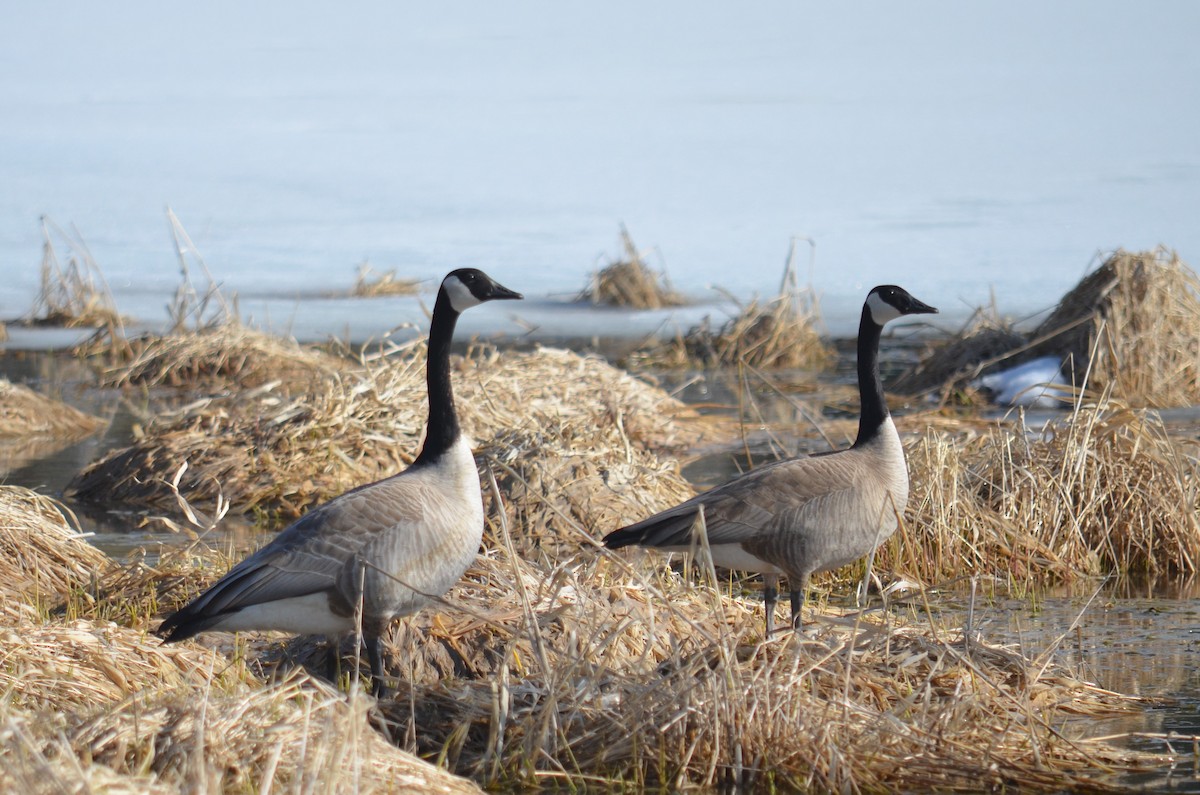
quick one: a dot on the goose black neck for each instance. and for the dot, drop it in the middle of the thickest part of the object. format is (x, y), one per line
(874, 409)
(442, 431)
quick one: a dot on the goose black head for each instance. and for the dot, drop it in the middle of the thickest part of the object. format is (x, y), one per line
(467, 287)
(888, 302)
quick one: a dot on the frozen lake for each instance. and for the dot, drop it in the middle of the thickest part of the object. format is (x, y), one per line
(962, 150)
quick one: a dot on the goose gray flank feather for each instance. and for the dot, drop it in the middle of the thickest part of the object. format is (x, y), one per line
(383, 550)
(803, 515)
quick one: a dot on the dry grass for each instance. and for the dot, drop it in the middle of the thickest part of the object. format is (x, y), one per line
(630, 283)
(116, 713)
(620, 671)
(554, 663)
(1134, 324)
(1105, 489)
(72, 294)
(220, 356)
(274, 453)
(369, 283)
(1129, 329)
(777, 334)
(583, 668)
(25, 413)
(43, 558)
(88, 705)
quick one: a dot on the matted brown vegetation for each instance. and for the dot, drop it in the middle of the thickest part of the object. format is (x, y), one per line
(74, 294)
(227, 354)
(774, 334)
(25, 413)
(1130, 328)
(370, 283)
(272, 452)
(43, 558)
(630, 282)
(1103, 490)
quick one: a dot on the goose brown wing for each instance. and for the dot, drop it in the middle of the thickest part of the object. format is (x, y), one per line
(303, 559)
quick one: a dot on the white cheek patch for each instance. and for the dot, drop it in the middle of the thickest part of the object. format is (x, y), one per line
(461, 297)
(881, 310)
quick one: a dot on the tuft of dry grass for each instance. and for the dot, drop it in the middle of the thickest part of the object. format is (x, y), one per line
(224, 355)
(1105, 489)
(369, 283)
(24, 412)
(777, 334)
(43, 558)
(630, 283)
(276, 453)
(1129, 329)
(1133, 325)
(74, 294)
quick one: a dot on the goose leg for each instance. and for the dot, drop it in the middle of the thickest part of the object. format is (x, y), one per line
(770, 597)
(374, 644)
(332, 658)
(798, 586)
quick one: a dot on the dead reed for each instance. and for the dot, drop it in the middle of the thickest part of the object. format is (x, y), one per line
(630, 283)
(1105, 489)
(780, 333)
(75, 293)
(273, 452)
(1134, 326)
(25, 413)
(369, 283)
(1129, 329)
(43, 558)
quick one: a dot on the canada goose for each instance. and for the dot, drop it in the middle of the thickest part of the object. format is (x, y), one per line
(389, 547)
(804, 515)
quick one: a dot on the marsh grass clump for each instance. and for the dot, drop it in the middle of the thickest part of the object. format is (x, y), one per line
(26, 414)
(630, 282)
(73, 294)
(228, 354)
(1104, 490)
(780, 333)
(43, 558)
(1132, 329)
(1129, 329)
(369, 283)
(274, 452)
(776, 334)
